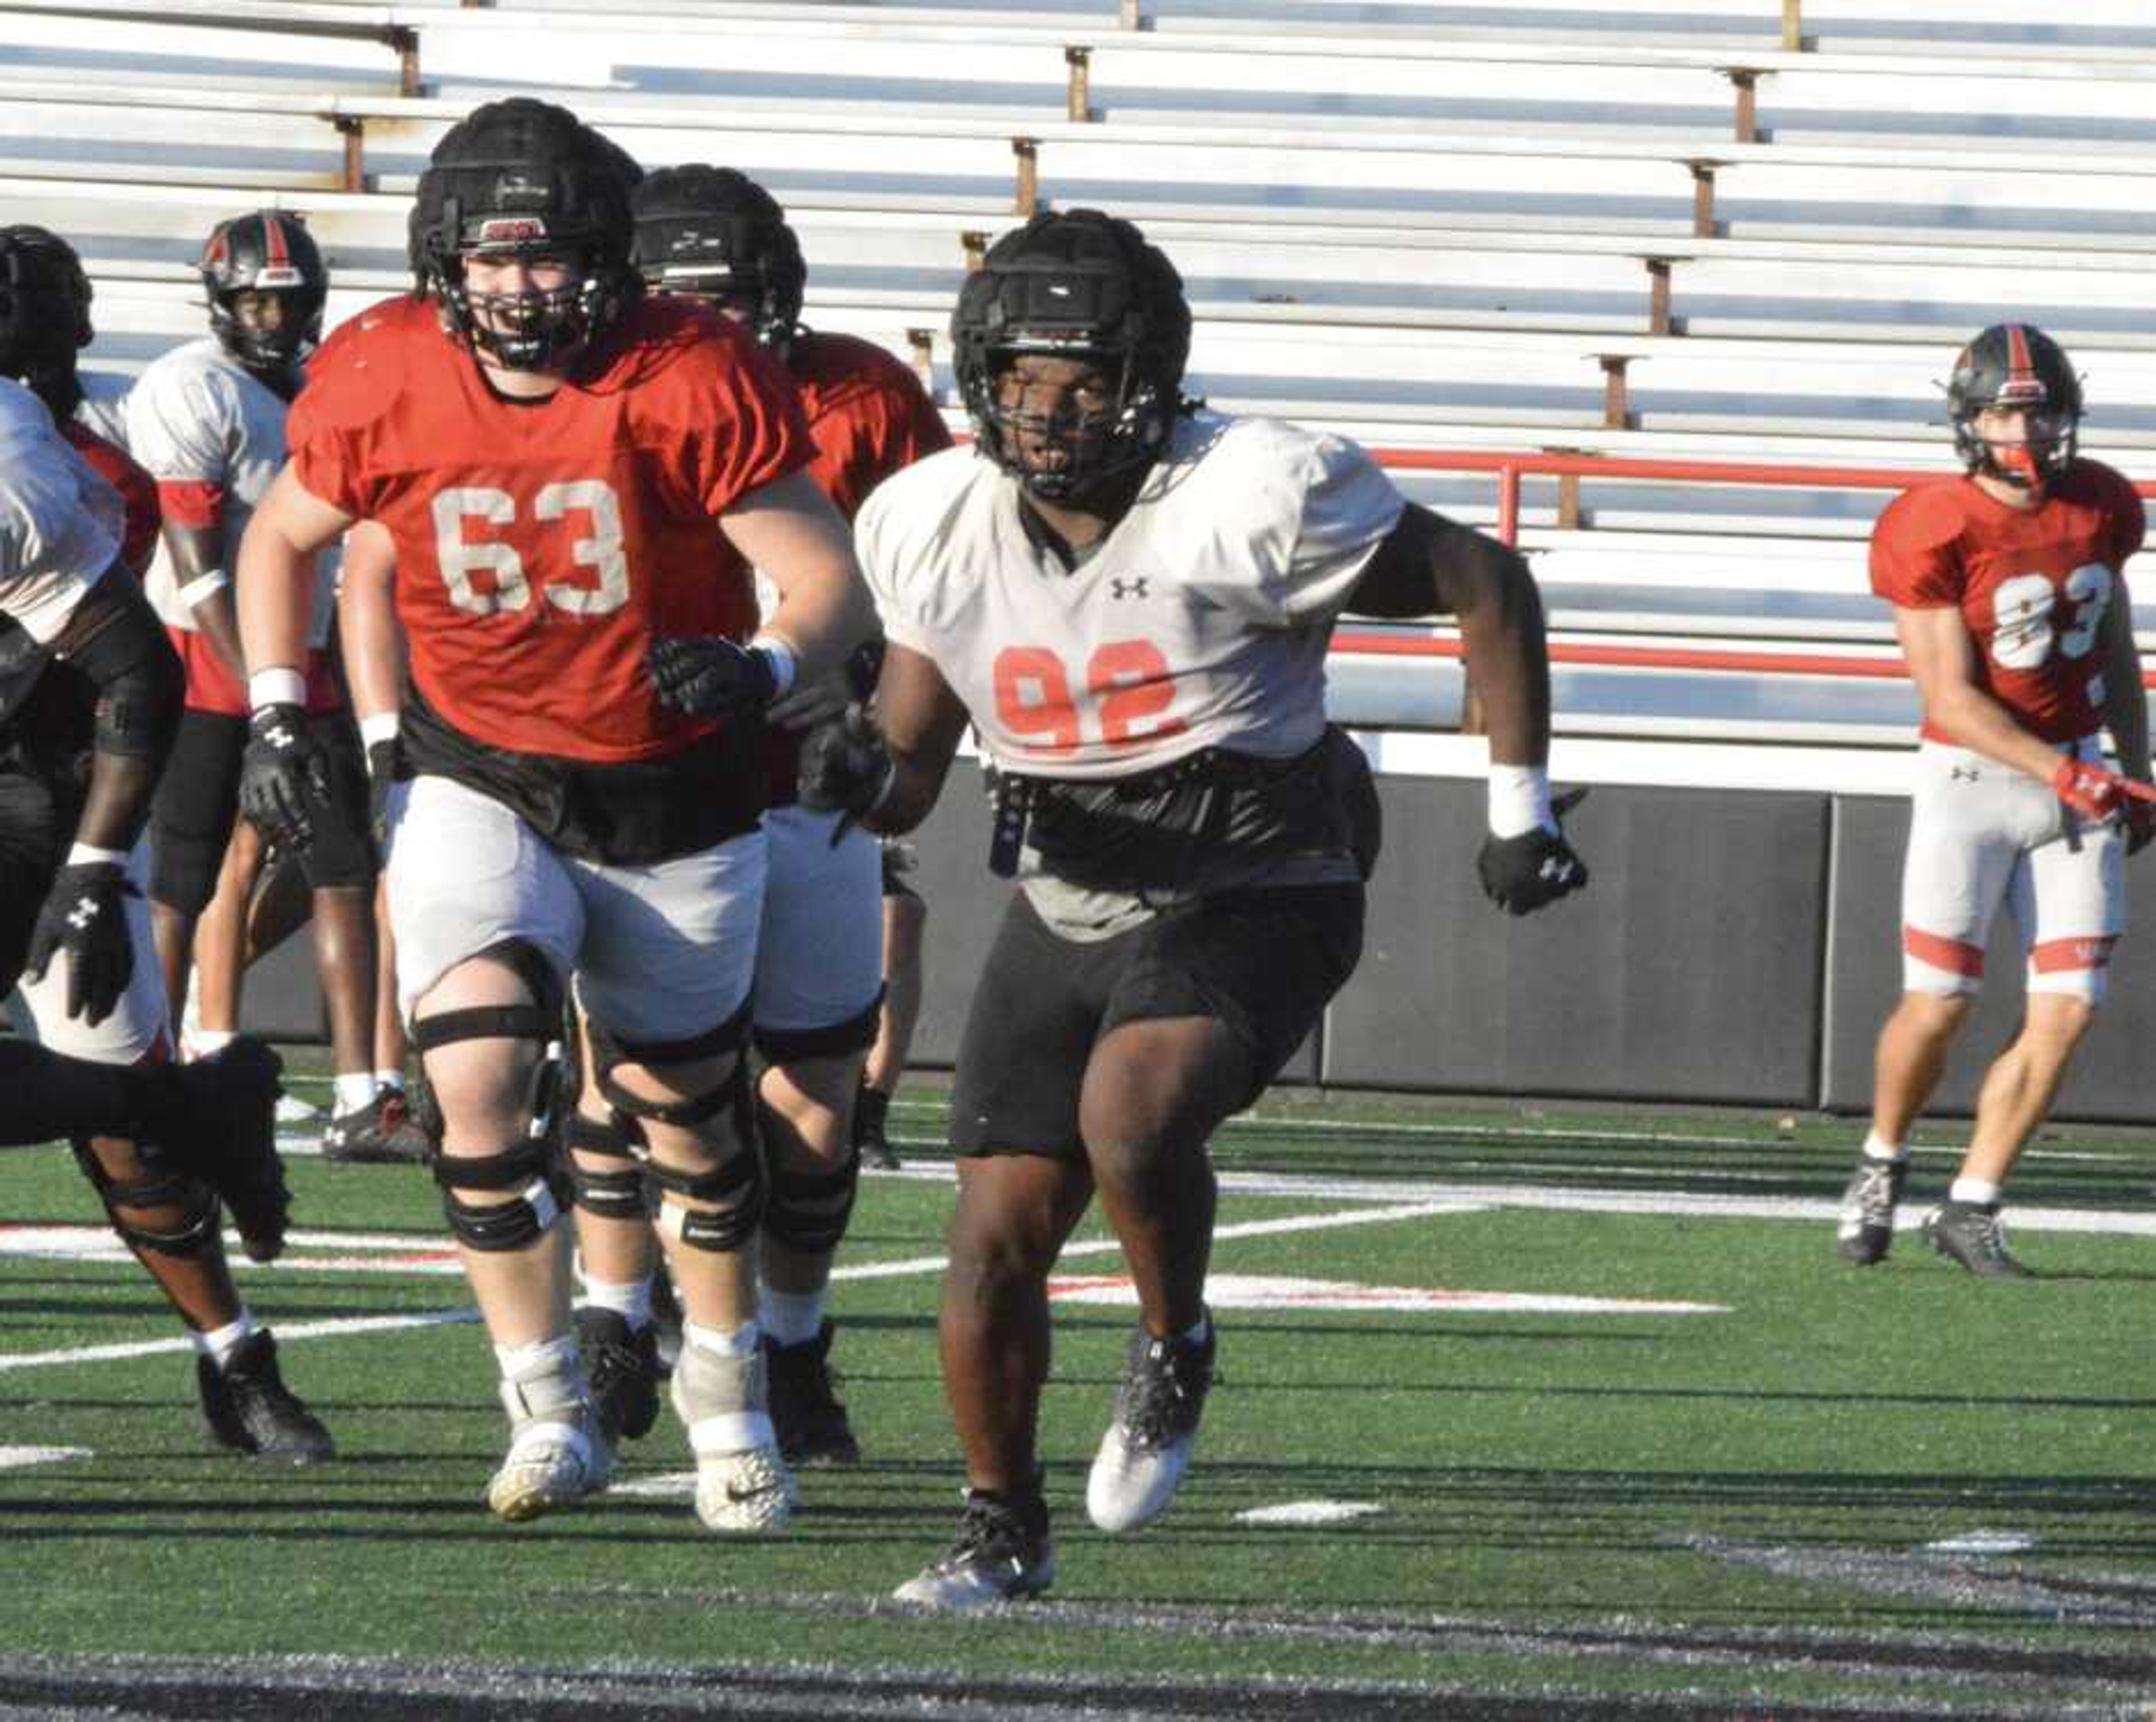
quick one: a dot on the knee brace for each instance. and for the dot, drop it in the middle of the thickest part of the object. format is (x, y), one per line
(533, 1169)
(807, 1211)
(737, 1180)
(619, 1190)
(157, 1186)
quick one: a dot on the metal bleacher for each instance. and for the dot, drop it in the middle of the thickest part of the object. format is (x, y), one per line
(1692, 229)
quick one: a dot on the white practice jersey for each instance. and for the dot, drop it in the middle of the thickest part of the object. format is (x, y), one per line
(197, 416)
(1201, 621)
(103, 409)
(61, 523)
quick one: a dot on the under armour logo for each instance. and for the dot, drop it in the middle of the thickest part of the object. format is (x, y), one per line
(1964, 773)
(83, 913)
(1128, 589)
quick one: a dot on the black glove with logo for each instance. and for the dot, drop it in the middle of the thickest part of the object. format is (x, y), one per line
(845, 767)
(703, 676)
(1524, 873)
(380, 773)
(85, 915)
(284, 776)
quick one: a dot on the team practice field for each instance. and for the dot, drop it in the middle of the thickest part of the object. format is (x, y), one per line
(1523, 1413)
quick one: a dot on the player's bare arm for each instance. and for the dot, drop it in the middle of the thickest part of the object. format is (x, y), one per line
(788, 529)
(373, 644)
(2126, 697)
(113, 639)
(1942, 660)
(276, 574)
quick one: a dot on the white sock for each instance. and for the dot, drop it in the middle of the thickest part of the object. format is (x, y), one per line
(220, 1342)
(207, 1040)
(1876, 1149)
(792, 1318)
(393, 1079)
(1978, 1192)
(631, 1300)
(739, 1344)
(354, 1090)
(518, 1361)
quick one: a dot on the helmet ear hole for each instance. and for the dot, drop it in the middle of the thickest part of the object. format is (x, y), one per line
(1076, 283)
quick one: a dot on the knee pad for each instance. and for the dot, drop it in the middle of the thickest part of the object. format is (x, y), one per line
(533, 1169)
(737, 1180)
(619, 1190)
(807, 1211)
(159, 1186)
(609, 1052)
(540, 1022)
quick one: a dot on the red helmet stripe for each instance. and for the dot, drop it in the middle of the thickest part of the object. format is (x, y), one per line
(2022, 382)
(275, 251)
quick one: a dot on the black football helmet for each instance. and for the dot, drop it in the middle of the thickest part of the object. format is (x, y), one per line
(718, 235)
(2016, 365)
(1078, 283)
(45, 315)
(525, 178)
(267, 251)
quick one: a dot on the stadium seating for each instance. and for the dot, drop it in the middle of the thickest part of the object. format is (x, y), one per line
(1651, 228)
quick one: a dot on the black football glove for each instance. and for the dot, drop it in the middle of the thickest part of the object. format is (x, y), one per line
(284, 776)
(85, 915)
(380, 773)
(703, 676)
(1524, 873)
(846, 769)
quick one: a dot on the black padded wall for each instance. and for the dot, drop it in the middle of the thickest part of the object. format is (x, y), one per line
(1689, 969)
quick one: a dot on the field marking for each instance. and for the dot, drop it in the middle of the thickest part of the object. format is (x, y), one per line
(1298, 1514)
(285, 1332)
(1248, 1291)
(19, 1459)
(1983, 1542)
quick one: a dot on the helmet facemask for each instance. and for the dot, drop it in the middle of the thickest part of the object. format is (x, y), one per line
(524, 180)
(2014, 366)
(1073, 286)
(1071, 444)
(269, 254)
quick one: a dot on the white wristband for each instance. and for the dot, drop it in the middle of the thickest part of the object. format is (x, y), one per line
(202, 587)
(281, 685)
(382, 726)
(785, 666)
(1519, 800)
(88, 855)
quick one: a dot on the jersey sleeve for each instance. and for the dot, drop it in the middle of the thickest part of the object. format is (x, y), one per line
(59, 526)
(319, 435)
(1916, 561)
(1311, 509)
(878, 541)
(182, 424)
(754, 433)
(2130, 523)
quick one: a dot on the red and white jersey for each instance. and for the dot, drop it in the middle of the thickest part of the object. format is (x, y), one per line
(1200, 621)
(2032, 585)
(213, 436)
(542, 545)
(60, 524)
(138, 492)
(103, 409)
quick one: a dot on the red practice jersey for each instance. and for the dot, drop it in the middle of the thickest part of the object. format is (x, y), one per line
(540, 546)
(137, 489)
(2032, 585)
(871, 417)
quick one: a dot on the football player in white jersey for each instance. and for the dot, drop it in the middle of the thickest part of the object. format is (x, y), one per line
(207, 421)
(1130, 599)
(86, 675)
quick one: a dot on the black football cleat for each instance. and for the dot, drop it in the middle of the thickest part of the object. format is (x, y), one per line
(248, 1409)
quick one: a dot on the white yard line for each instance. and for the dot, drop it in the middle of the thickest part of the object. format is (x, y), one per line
(285, 1333)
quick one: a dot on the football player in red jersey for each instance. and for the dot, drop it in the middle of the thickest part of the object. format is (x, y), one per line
(2009, 589)
(713, 234)
(87, 676)
(1130, 599)
(571, 475)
